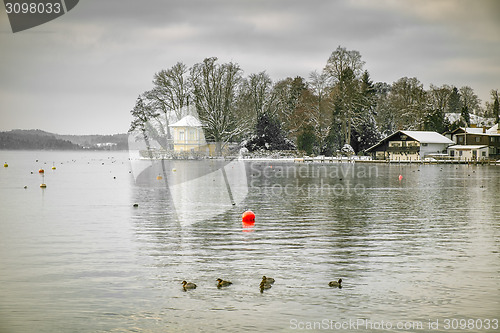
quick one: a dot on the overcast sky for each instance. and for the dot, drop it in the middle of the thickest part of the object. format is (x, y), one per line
(82, 72)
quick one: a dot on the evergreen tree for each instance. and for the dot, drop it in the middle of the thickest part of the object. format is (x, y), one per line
(306, 140)
(465, 115)
(435, 121)
(454, 103)
(365, 129)
(496, 109)
(268, 135)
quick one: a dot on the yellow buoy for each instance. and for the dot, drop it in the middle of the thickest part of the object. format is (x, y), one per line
(174, 169)
(43, 185)
(159, 178)
(5, 165)
(53, 168)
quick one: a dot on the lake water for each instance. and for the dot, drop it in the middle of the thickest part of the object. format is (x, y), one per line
(78, 257)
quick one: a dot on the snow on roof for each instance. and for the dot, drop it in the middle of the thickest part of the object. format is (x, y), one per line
(466, 147)
(474, 130)
(493, 130)
(187, 121)
(427, 137)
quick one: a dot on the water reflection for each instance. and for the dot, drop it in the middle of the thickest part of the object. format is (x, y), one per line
(409, 249)
(78, 256)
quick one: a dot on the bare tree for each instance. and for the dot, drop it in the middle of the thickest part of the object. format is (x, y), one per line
(172, 88)
(344, 68)
(170, 95)
(214, 92)
(142, 114)
(321, 105)
(259, 90)
(407, 101)
(470, 100)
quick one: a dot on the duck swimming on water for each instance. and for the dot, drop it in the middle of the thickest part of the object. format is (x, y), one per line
(188, 285)
(263, 286)
(267, 280)
(336, 284)
(221, 283)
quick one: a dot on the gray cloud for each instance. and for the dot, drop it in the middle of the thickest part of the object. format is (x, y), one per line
(86, 68)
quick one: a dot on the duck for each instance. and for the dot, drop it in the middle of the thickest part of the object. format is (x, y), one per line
(267, 280)
(188, 285)
(221, 283)
(263, 286)
(336, 284)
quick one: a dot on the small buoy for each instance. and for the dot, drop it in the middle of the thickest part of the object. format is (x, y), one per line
(248, 217)
(400, 177)
(174, 170)
(53, 168)
(41, 171)
(136, 205)
(43, 185)
(114, 177)
(25, 186)
(159, 177)
(5, 165)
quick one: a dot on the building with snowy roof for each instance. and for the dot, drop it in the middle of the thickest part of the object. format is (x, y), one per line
(468, 140)
(188, 135)
(410, 146)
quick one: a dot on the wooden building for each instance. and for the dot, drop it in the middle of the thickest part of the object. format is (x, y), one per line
(477, 137)
(410, 146)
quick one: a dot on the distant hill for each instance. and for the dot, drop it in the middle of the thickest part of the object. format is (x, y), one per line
(38, 139)
(115, 141)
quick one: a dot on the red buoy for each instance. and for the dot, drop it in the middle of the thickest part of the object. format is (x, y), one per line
(41, 171)
(400, 177)
(248, 217)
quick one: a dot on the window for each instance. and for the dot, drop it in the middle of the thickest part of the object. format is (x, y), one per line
(478, 139)
(460, 139)
(424, 144)
(181, 135)
(460, 153)
(483, 154)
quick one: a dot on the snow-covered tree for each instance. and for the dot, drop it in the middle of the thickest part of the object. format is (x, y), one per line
(215, 87)
(344, 69)
(407, 101)
(268, 135)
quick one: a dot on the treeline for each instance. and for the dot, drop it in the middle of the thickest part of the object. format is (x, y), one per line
(91, 141)
(36, 140)
(339, 107)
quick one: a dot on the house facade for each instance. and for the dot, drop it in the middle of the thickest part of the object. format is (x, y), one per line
(410, 146)
(471, 142)
(469, 152)
(188, 136)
